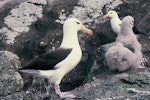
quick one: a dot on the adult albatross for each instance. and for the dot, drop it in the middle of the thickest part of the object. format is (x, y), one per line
(56, 64)
(116, 22)
(127, 51)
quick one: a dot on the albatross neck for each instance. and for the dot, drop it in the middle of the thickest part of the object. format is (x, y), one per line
(126, 30)
(115, 20)
(70, 39)
(115, 24)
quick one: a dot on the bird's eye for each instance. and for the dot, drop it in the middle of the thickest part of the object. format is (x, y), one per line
(77, 22)
(132, 22)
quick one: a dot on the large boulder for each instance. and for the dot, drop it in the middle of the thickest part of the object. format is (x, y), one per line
(103, 84)
(117, 87)
(100, 65)
(10, 80)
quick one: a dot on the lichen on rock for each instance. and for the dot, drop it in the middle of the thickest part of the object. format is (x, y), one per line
(9, 77)
(20, 18)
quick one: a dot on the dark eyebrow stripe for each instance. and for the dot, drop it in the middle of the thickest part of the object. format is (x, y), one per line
(77, 22)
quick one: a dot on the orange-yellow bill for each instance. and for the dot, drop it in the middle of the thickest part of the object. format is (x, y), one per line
(86, 30)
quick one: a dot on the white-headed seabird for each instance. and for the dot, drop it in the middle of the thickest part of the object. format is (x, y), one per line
(56, 64)
(116, 22)
(127, 51)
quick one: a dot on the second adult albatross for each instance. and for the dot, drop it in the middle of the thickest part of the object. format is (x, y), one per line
(56, 64)
(116, 22)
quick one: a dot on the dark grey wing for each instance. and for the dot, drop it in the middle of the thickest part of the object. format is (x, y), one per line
(136, 31)
(130, 48)
(47, 60)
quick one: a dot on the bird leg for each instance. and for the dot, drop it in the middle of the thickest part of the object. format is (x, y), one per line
(63, 94)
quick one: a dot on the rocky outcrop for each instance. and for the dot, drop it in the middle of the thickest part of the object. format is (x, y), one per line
(32, 27)
(10, 80)
(20, 18)
(103, 84)
(117, 87)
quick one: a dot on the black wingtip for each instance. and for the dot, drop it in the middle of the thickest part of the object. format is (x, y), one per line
(137, 31)
(19, 70)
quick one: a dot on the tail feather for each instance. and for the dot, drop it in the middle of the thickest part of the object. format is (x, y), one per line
(29, 71)
(46, 74)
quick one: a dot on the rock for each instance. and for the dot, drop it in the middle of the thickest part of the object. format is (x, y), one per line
(6, 6)
(100, 65)
(138, 79)
(20, 18)
(4, 3)
(41, 2)
(103, 84)
(89, 11)
(13, 96)
(116, 87)
(10, 80)
(41, 31)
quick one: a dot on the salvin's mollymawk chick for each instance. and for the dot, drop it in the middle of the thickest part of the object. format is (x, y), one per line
(127, 51)
(120, 58)
(116, 22)
(56, 64)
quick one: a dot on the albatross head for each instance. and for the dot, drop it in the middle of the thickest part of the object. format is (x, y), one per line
(127, 25)
(111, 14)
(128, 21)
(73, 24)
